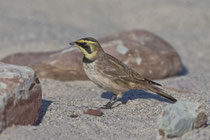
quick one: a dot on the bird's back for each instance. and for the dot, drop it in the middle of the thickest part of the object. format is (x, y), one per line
(111, 74)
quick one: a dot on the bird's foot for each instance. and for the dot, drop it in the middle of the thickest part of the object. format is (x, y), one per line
(107, 106)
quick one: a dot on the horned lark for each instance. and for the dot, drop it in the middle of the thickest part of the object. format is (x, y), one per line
(111, 74)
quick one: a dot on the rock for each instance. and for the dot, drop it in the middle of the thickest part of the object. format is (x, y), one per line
(143, 51)
(201, 120)
(93, 112)
(61, 65)
(179, 118)
(20, 96)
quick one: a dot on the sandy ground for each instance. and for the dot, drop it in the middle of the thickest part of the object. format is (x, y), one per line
(134, 120)
(44, 25)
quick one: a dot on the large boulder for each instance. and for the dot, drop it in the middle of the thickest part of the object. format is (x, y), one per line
(20, 96)
(179, 118)
(143, 51)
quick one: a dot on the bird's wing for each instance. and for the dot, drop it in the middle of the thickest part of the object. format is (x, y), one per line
(116, 70)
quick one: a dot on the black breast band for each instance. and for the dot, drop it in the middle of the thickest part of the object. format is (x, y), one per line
(86, 60)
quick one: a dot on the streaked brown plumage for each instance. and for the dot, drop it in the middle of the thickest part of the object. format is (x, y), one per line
(111, 74)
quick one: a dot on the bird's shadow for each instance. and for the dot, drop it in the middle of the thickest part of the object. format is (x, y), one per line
(136, 94)
(45, 106)
(184, 71)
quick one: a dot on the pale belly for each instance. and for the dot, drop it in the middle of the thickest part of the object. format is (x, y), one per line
(96, 77)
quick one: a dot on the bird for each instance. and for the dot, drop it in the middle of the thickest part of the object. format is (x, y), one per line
(111, 74)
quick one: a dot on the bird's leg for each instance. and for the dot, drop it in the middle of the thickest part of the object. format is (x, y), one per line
(112, 101)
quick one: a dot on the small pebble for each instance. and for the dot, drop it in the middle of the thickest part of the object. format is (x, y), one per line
(74, 116)
(93, 112)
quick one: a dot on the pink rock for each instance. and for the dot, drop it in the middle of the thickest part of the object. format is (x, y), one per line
(20, 96)
(145, 52)
(61, 65)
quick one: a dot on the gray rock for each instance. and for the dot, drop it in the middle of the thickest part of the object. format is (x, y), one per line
(20, 96)
(179, 118)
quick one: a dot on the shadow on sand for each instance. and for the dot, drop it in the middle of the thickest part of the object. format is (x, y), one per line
(45, 105)
(136, 94)
(141, 94)
(184, 71)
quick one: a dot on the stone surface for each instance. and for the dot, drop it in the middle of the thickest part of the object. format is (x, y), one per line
(200, 120)
(94, 112)
(143, 51)
(179, 118)
(20, 96)
(60, 65)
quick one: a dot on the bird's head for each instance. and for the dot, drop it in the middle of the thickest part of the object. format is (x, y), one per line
(89, 46)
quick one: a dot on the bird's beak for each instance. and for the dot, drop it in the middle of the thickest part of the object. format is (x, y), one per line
(73, 43)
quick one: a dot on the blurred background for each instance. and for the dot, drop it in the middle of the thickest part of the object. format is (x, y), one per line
(45, 25)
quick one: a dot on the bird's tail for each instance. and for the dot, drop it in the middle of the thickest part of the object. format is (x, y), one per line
(161, 92)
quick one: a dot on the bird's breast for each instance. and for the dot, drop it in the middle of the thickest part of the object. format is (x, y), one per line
(93, 73)
(96, 76)
(91, 70)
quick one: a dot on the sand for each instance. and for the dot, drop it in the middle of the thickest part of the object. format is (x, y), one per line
(46, 25)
